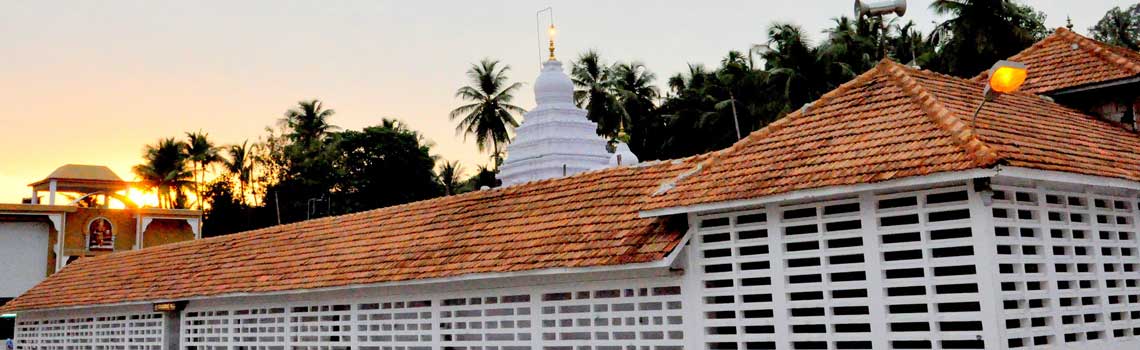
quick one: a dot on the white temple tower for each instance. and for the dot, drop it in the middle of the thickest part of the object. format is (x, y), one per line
(555, 139)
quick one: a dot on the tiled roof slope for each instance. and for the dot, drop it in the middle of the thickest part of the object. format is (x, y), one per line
(894, 122)
(590, 219)
(1066, 59)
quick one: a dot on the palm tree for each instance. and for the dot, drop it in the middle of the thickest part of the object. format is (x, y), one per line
(799, 68)
(449, 174)
(490, 115)
(239, 166)
(308, 122)
(980, 32)
(201, 153)
(636, 101)
(164, 171)
(910, 47)
(854, 44)
(595, 92)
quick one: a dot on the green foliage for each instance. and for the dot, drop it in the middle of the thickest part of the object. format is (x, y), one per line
(381, 166)
(1119, 27)
(595, 92)
(304, 170)
(489, 116)
(981, 32)
(308, 123)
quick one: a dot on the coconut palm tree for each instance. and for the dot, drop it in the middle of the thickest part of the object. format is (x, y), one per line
(637, 101)
(164, 171)
(308, 122)
(981, 32)
(449, 174)
(795, 65)
(201, 153)
(239, 167)
(594, 92)
(490, 116)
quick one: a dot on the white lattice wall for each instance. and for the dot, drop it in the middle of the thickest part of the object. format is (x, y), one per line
(889, 271)
(616, 315)
(111, 331)
(1068, 267)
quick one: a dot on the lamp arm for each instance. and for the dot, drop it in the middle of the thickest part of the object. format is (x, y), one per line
(974, 118)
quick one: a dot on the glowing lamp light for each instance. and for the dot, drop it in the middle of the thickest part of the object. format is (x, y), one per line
(1007, 76)
(552, 31)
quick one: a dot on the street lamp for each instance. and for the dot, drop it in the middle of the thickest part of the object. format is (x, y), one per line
(1004, 77)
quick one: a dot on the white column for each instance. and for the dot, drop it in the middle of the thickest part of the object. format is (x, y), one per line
(138, 231)
(873, 254)
(61, 226)
(693, 302)
(780, 315)
(51, 191)
(35, 199)
(985, 251)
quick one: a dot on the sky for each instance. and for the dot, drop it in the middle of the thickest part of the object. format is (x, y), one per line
(92, 82)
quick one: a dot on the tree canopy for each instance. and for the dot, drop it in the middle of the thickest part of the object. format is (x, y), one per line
(1120, 27)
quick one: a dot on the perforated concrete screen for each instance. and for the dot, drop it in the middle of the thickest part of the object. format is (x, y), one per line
(133, 331)
(616, 315)
(867, 272)
(1068, 267)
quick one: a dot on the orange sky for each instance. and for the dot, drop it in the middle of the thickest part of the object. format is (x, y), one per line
(93, 82)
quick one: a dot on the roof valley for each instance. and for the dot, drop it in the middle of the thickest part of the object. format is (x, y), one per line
(963, 135)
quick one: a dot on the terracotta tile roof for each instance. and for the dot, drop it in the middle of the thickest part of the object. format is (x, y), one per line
(894, 122)
(1066, 59)
(589, 219)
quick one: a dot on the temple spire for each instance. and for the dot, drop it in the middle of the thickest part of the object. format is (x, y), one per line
(552, 32)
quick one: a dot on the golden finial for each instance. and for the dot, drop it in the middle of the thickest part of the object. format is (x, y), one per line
(551, 32)
(621, 135)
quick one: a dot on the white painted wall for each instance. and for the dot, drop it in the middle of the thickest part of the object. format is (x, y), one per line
(23, 256)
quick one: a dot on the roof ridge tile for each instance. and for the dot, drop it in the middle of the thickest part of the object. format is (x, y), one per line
(777, 125)
(1099, 49)
(963, 135)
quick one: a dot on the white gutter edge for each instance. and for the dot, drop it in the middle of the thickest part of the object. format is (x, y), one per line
(823, 192)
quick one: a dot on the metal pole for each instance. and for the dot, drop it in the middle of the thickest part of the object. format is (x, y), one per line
(538, 30)
(735, 119)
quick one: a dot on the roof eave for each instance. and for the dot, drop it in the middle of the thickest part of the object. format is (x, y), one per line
(663, 263)
(1092, 86)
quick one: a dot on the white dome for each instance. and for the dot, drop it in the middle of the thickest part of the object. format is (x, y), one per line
(555, 138)
(622, 155)
(553, 85)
